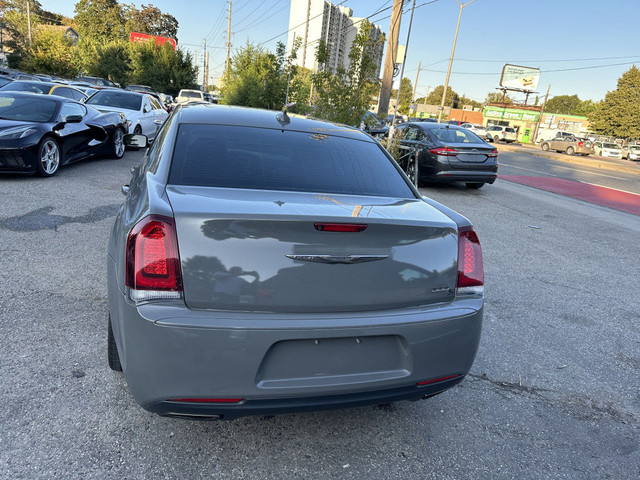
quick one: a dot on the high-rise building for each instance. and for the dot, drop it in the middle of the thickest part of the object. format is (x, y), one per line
(315, 20)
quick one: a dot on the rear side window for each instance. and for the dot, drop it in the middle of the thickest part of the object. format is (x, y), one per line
(266, 159)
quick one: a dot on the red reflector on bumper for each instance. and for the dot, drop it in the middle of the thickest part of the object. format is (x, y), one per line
(427, 382)
(207, 400)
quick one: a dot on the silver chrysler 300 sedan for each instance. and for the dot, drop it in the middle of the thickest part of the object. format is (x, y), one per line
(265, 263)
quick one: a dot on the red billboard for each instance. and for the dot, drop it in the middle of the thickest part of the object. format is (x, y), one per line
(137, 37)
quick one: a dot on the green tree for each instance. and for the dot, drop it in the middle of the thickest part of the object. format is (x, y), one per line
(435, 97)
(617, 115)
(100, 19)
(258, 78)
(467, 101)
(50, 53)
(149, 19)
(406, 92)
(106, 59)
(497, 97)
(563, 104)
(161, 67)
(346, 95)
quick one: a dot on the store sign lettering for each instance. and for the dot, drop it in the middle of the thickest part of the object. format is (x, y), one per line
(510, 115)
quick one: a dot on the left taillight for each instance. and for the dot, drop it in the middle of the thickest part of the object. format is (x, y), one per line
(493, 154)
(470, 268)
(153, 260)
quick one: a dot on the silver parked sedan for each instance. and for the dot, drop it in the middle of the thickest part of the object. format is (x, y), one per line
(265, 263)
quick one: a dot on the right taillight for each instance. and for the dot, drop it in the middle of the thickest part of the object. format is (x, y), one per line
(470, 269)
(153, 260)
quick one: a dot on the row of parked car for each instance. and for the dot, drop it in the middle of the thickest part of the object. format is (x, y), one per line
(573, 145)
(47, 122)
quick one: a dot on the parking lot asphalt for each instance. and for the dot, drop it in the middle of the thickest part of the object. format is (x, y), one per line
(554, 391)
(613, 164)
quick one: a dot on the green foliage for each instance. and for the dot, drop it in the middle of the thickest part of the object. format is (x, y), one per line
(50, 53)
(149, 19)
(258, 78)
(497, 97)
(162, 68)
(110, 59)
(346, 95)
(100, 19)
(406, 92)
(563, 104)
(435, 97)
(467, 101)
(617, 115)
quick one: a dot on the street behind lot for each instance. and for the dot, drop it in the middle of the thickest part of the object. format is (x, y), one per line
(554, 392)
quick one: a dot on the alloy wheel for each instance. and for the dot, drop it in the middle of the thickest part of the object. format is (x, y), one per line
(118, 142)
(50, 157)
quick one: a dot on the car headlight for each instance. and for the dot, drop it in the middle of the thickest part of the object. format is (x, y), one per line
(17, 132)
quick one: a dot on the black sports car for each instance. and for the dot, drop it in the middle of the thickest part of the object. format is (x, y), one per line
(40, 133)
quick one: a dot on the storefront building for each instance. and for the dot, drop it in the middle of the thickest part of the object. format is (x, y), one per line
(523, 119)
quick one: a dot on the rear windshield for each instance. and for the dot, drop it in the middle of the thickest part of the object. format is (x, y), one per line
(33, 87)
(117, 99)
(190, 94)
(510, 130)
(611, 145)
(454, 135)
(266, 159)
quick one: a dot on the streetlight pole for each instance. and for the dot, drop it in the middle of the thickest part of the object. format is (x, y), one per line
(453, 51)
(404, 60)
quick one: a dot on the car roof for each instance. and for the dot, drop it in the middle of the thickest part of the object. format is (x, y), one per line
(55, 98)
(213, 114)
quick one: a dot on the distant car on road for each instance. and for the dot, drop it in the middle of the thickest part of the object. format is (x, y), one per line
(496, 133)
(143, 112)
(188, 96)
(631, 152)
(607, 149)
(444, 153)
(475, 128)
(269, 264)
(569, 144)
(96, 81)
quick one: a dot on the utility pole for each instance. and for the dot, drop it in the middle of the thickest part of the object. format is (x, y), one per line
(535, 135)
(390, 59)
(207, 73)
(404, 60)
(226, 71)
(453, 51)
(415, 85)
(29, 20)
(204, 64)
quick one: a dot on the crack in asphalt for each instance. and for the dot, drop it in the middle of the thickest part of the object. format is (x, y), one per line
(582, 408)
(41, 219)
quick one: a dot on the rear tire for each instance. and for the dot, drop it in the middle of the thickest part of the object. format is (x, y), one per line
(570, 151)
(496, 138)
(112, 350)
(474, 185)
(545, 147)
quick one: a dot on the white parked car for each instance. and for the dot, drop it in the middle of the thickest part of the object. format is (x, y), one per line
(143, 112)
(475, 128)
(186, 96)
(609, 150)
(495, 133)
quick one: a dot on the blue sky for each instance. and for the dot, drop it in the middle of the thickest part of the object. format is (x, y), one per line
(549, 34)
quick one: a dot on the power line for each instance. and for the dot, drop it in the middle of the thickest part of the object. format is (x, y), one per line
(546, 61)
(542, 71)
(260, 20)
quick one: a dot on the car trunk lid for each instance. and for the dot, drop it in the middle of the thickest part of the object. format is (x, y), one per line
(254, 250)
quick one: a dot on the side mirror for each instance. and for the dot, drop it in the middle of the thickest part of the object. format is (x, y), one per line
(136, 141)
(72, 119)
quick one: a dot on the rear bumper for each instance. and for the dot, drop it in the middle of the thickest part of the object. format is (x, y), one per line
(466, 176)
(300, 404)
(287, 363)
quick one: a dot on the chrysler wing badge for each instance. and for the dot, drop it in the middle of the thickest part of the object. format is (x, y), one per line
(348, 259)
